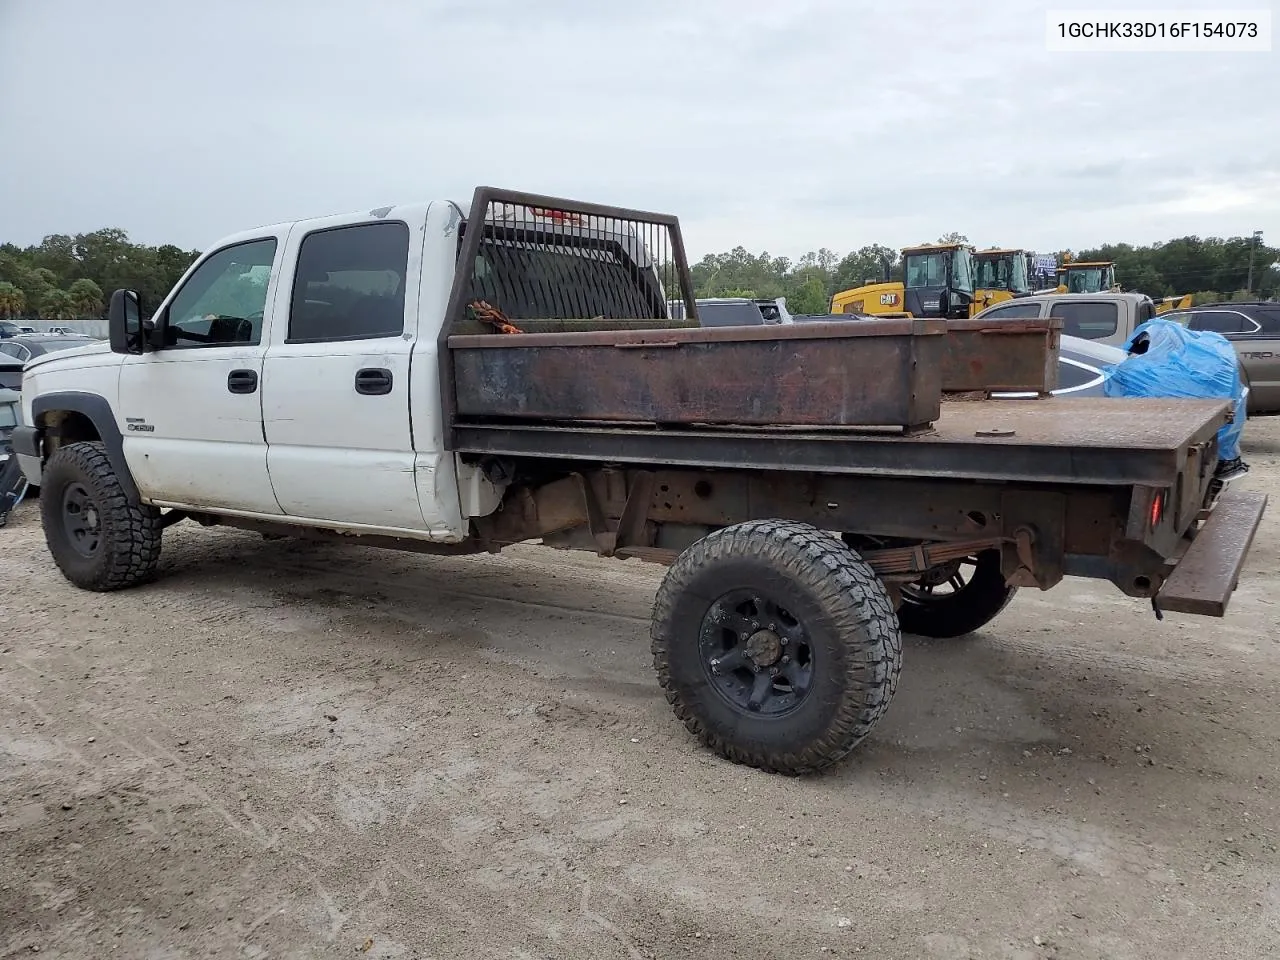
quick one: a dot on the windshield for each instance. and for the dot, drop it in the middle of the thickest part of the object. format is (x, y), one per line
(1086, 280)
(1006, 271)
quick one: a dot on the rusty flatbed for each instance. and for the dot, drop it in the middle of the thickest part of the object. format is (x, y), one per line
(1093, 440)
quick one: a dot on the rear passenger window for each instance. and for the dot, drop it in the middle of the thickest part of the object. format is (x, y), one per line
(1090, 321)
(1219, 321)
(350, 284)
(730, 315)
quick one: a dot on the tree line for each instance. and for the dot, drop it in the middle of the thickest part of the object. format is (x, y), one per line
(67, 277)
(1209, 268)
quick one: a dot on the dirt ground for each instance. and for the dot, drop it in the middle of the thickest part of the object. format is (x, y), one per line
(296, 751)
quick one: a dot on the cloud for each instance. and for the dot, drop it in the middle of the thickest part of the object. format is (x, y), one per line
(783, 127)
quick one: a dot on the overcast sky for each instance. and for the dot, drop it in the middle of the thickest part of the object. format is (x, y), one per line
(781, 125)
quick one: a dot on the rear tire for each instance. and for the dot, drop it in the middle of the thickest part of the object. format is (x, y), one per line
(98, 537)
(776, 645)
(981, 598)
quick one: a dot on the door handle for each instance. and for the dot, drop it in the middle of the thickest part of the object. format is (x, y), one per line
(373, 381)
(242, 381)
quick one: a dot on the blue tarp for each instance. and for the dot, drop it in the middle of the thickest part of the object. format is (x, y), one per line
(1179, 362)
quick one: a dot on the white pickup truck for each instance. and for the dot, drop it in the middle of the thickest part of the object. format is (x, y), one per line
(454, 378)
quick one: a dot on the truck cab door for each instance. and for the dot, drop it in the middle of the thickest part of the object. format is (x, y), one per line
(191, 412)
(336, 374)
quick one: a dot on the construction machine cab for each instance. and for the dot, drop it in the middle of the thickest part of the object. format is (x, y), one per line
(938, 279)
(1004, 270)
(1088, 277)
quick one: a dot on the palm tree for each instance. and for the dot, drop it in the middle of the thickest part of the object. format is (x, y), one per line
(57, 305)
(12, 300)
(86, 298)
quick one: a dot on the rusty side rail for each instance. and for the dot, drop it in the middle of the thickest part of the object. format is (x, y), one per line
(883, 373)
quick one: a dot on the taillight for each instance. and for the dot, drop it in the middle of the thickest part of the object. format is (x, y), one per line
(1157, 509)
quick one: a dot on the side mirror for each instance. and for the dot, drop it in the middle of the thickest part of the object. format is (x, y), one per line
(124, 322)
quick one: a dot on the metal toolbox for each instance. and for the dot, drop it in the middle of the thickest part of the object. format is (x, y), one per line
(882, 373)
(984, 356)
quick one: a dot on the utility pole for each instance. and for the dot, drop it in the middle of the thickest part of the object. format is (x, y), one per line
(1257, 239)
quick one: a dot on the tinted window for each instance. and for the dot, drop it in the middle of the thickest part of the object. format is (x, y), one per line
(350, 284)
(1014, 311)
(16, 350)
(1071, 375)
(222, 302)
(729, 315)
(1091, 321)
(1268, 318)
(1219, 321)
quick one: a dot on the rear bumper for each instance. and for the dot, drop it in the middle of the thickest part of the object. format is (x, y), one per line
(1208, 573)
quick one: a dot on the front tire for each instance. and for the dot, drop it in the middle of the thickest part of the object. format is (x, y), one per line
(98, 537)
(776, 645)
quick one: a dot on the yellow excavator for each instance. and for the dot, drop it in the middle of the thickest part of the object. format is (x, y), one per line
(941, 280)
(938, 283)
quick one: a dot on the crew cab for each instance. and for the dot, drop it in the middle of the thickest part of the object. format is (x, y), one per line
(456, 378)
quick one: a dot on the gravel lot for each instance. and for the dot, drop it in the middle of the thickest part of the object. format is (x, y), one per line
(301, 751)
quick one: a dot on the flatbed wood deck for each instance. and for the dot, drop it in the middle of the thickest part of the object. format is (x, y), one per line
(1088, 440)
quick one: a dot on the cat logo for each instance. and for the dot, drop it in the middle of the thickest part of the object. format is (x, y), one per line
(888, 299)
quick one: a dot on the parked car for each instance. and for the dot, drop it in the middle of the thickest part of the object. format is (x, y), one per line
(1254, 331)
(8, 416)
(13, 485)
(15, 351)
(8, 329)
